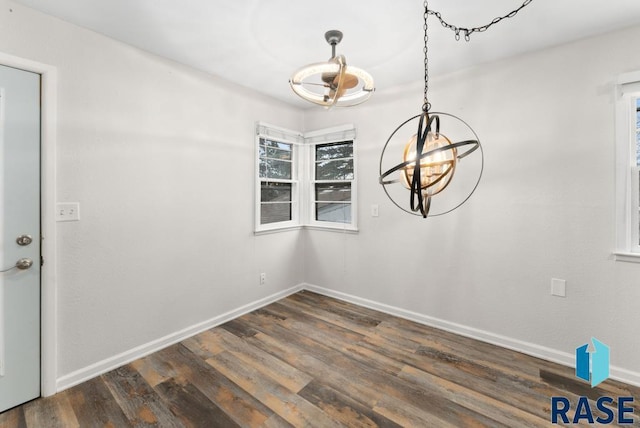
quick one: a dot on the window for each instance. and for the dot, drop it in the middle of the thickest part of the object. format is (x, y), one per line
(277, 188)
(332, 184)
(628, 168)
(276, 181)
(317, 168)
(636, 173)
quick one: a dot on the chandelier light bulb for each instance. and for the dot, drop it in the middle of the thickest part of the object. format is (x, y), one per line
(437, 163)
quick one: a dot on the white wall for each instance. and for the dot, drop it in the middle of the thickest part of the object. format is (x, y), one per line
(545, 206)
(160, 158)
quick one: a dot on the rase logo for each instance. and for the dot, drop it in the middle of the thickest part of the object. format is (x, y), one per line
(592, 367)
(595, 364)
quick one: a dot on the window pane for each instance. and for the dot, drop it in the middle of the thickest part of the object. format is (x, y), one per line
(273, 213)
(275, 192)
(338, 213)
(334, 150)
(276, 144)
(273, 168)
(333, 192)
(335, 170)
(278, 154)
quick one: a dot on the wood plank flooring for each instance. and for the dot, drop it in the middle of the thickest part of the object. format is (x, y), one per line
(312, 361)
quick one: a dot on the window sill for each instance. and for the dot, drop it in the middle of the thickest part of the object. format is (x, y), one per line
(626, 257)
(350, 230)
(277, 230)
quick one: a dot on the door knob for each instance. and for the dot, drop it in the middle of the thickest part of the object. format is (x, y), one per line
(24, 240)
(21, 264)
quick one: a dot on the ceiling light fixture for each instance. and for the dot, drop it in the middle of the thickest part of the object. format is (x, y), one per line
(333, 83)
(429, 158)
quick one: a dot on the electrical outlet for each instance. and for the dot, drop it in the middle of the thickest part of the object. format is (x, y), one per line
(68, 211)
(263, 278)
(374, 210)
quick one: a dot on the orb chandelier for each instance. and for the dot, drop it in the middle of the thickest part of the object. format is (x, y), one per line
(332, 83)
(430, 160)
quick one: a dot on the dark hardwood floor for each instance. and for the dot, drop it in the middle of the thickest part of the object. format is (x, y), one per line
(309, 360)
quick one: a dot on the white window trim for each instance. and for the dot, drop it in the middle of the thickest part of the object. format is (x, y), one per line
(627, 200)
(303, 177)
(295, 138)
(332, 135)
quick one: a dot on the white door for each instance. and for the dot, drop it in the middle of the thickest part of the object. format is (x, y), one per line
(19, 237)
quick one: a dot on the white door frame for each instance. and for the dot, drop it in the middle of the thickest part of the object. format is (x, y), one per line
(48, 316)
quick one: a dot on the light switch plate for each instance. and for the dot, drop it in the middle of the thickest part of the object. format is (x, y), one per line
(68, 211)
(558, 287)
(374, 210)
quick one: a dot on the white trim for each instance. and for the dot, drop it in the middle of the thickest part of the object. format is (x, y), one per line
(279, 133)
(311, 221)
(96, 369)
(334, 227)
(284, 136)
(626, 190)
(549, 354)
(48, 120)
(277, 230)
(566, 359)
(631, 77)
(626, 257)
(331, 135)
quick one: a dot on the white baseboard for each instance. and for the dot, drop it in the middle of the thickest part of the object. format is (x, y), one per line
(94, 370)
(549, 354)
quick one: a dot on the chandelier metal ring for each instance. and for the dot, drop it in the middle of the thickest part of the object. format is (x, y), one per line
(469, 145)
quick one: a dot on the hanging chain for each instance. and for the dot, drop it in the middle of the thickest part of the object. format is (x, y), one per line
(468, 31)
(427, 105)
(457, 30)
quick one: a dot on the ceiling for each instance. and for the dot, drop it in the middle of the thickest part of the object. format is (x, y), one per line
(260, 43)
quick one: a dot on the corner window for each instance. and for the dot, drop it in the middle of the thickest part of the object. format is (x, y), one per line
(305, 180)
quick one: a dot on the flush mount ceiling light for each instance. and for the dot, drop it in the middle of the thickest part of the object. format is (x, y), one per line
(429, 158)
(333, 83)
